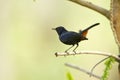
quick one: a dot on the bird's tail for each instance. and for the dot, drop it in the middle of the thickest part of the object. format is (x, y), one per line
(91, 27)
(84, 32)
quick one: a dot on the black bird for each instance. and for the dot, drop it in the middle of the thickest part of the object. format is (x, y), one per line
(72, 38)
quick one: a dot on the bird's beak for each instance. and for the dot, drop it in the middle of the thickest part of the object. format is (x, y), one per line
(53, 28)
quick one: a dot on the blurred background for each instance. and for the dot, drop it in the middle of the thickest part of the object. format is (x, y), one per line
(28, 44)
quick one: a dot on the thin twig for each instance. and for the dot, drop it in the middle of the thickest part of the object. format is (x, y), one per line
(83, 70)
(89, 52)
(94, 7)
(97, 64)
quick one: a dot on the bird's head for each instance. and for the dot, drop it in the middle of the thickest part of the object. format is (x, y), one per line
(60, 30)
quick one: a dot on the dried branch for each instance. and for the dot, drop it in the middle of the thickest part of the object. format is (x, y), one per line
(83, 70)
(89, 52)
(115, 20)
(98, 64)
(94, 7)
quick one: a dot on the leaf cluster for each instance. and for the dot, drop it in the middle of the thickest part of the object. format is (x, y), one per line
(108, 67)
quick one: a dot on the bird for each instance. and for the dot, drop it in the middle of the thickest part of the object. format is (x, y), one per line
(71, 37)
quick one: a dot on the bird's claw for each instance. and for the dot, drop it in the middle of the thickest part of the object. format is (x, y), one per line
(67, 52)
(75, 52)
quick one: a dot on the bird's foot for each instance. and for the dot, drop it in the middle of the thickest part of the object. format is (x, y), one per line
(67, 52)
(74, 52)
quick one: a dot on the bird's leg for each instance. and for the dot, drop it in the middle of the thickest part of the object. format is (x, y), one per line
(75, 48)
(66, 51)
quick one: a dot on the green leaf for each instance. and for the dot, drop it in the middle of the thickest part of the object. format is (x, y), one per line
(69, 76)
(108, 67)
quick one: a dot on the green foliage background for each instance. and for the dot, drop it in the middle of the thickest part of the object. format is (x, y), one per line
(27, 43)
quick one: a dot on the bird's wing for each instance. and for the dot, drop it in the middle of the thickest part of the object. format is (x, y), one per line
(70, 37)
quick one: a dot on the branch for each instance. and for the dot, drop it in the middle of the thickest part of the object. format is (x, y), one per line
(115, 20)
(94, 7)
(98, 64)
(89, 52)
(83, 70)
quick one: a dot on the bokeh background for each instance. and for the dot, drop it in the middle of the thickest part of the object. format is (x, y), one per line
(27, 43)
